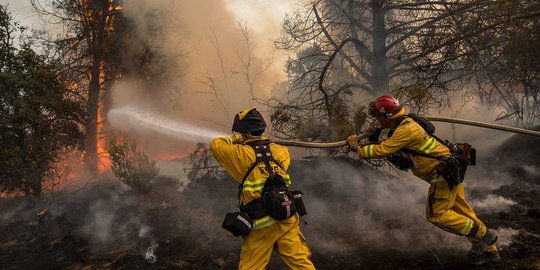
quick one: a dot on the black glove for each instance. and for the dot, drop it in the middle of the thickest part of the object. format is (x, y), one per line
(401, 162)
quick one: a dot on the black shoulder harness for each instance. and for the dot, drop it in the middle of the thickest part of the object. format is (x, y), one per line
(262, 154)
(414, 153)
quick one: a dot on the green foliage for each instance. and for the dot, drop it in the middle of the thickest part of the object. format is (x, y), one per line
(132, 167)
(38, 117)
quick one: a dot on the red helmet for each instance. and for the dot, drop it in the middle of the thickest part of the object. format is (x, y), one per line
(386, 107)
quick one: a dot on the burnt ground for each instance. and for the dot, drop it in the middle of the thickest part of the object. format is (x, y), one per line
(366, 225)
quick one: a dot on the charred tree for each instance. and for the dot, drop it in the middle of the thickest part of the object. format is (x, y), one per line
(349, 51)
(89, 27)
(98, 13)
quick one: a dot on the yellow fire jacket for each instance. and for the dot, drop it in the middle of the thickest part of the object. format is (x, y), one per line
(409, 135)
(237, 158)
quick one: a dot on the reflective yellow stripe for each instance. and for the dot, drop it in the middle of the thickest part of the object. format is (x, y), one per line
(257, 187)
(263, 222)
(259, 184)
(287, 179)
(254, 185)
(467, 229)
(428, 146)
(436, 178)
(368, 151)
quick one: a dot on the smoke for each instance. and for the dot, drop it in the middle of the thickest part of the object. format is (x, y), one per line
(505, 236)
(375, 210)
(353, 210)
(493, 203)
(482, 139)
(365, 207)
(13, 210)
(114, 220)
(110, 217)
(175, 169)
(207, 65)
(150, 256)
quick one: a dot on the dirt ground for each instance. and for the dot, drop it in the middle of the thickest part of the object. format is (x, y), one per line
(107, 226)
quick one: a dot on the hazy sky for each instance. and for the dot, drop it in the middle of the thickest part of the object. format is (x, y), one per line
(21, 11)
(262, 16)
(191, 26)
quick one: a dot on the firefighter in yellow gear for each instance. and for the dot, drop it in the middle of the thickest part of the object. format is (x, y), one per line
(267, 234)
(446, 207)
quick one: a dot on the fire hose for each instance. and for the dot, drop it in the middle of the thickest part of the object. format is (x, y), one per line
(435, 119)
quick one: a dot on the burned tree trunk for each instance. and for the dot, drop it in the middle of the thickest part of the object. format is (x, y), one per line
(92, 107)
(101, 14)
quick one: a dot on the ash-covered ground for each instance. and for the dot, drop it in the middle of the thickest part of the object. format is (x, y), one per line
(359, 218)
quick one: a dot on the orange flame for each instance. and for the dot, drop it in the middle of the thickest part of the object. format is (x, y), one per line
(17, 194)
(63, 174)
(104, 161)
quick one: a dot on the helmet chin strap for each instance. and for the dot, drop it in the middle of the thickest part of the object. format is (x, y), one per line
(253, 137)
(249, 136)
(391, 113)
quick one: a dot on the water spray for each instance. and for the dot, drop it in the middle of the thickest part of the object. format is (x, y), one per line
(129, 118)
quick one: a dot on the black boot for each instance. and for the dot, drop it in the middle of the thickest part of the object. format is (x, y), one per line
(480, 245)
(488, 257)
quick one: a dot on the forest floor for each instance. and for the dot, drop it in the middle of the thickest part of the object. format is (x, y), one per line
(107, 226)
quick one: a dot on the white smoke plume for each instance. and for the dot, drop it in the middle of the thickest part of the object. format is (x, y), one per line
(218, 72)
(359, 204)
(505, 236)
(493, 204)
(150, 255)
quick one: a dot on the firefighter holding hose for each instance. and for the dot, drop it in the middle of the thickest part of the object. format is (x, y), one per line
(409, 146)
(268, 218)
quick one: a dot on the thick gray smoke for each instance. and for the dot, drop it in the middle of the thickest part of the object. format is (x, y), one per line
(381, 211)
(113, 218)
(351, 207)
(213, 65)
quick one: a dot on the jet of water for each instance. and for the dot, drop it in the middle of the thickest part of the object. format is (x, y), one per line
(129, 118)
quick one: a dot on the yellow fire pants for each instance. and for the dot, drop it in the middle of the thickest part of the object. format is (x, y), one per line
(284, 237)
(448, 210)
